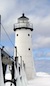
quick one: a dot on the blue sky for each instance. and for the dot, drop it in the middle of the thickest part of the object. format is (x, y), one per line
(38, 12)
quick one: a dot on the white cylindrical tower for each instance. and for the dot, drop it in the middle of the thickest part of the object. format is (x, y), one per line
(23, 40)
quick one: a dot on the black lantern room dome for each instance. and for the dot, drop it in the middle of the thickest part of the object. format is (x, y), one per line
(23, 17)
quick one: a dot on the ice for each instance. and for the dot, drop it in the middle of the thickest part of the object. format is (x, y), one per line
(41, 79)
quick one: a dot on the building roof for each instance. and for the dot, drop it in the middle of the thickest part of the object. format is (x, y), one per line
(23, 16)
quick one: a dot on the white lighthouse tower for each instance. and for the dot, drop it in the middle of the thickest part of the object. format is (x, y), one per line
(23, 40)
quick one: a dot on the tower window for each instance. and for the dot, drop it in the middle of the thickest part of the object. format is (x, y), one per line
(28, 48)
(17, 34)
(28, 34)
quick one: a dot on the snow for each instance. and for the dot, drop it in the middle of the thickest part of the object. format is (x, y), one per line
(41, 79)
(8, 76)
(42, 74)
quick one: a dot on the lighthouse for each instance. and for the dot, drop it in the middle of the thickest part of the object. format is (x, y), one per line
(23, 41)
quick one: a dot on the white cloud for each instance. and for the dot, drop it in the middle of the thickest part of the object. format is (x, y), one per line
(41, 33)
(41, 25)
(40, 54)
(43, 54)
(6, 8)
(41, 42)
(48, 54)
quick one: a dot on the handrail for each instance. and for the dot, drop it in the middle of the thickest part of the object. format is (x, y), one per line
(23, 24)
(14, 82)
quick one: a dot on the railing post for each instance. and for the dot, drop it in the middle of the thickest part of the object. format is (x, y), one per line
(21, 61)
(1, 72)
(0, 28)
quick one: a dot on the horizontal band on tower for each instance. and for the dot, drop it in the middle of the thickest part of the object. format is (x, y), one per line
(23, 28)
